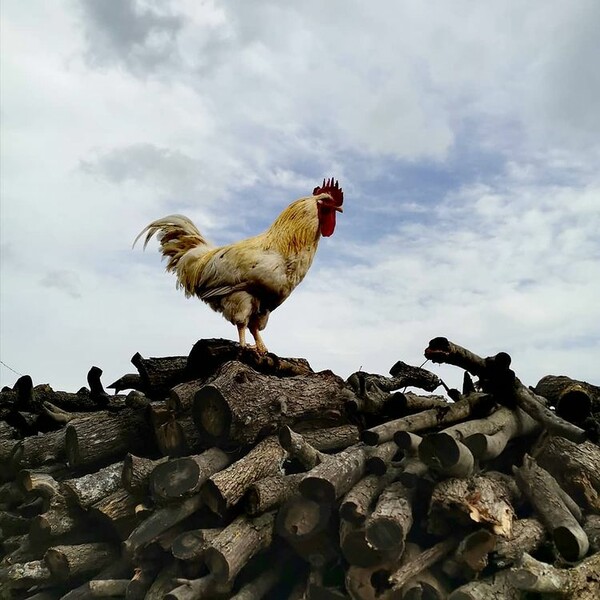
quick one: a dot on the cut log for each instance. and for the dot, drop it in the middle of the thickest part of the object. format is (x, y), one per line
(428, 419)
(119, 510)
(185, 476)
(178, 437)
(334, 477)
(295, 444)
(237, 543)
(379, 458)
(574, 400)
(97, 439)
(389, 523)
(445, 454)
(478, 499)
(471, 556)
(135, 476)
(358, 551)
(240, 405)
(547, 498)
(191, 545)
(226, 488)
(159, 375)
(271, 492)
(576, 467)
(498, 587)
(301, 519)
(508, 424)
(37, 450)
(181, 397)
(69, 562)
(91, 488)
(527, 535)
(580, 583)
(356, 504)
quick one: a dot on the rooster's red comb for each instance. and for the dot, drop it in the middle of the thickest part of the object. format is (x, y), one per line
(332, 188)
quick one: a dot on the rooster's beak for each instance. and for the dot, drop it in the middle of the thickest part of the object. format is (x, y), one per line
(339, 208)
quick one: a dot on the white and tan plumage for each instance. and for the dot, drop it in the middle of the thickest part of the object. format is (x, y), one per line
(247, 280)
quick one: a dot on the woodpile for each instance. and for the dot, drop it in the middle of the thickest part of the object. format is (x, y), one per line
(226, 474)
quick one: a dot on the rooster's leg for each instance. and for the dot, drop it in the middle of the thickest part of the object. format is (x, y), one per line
(260, 345)
(242, 335)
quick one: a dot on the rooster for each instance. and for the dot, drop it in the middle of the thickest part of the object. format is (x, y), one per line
(247, 280)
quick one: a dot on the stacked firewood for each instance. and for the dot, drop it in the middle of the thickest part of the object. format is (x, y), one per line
(226, 474)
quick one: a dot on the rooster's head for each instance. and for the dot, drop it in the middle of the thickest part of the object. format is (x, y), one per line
(328, 204)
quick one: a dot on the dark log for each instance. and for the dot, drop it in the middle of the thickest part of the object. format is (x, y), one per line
(11, 494)
(415, 376)
(332, 438)
(226, 488)
(97, 392)
(178, 437)
(411, 471)
(508, 424)
(207, 356)
(159, 521)
(191, 545)
(478, 499)
(97, 439)
(591, 526)
(547, 498)
(389, 523)
(164, 583)
(574, 400)
(262, 584)
(181, 397)
(445, 454)
(136, 473)
(423, 561)
(358, 551)
(497, 586)
(575, 466)
(271, 492)
(69, 562)
(137, 400)
(356, 504)
(159, 375)
(581, 582)
(207, 587)
(527, 535)
(428, 419)
(295, 444)
(120, 510)
(25, 575)
(301, 519)
(12, 524)
(91, 488)
(237, 543)
(408, 442)
(379, 458)
(369, 583)
(37, 450)
(471, 556)
(130, 381)
(334, 477)
(116, 570)
(240, 405)
(185, 476)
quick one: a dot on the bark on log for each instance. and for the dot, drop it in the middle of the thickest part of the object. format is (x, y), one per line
(68, 562)
(576, 467)
(410, 403)
(379, 458)
(356, 504)
(208, 355)
(240, 405)
(334, 477)
(389, 523)
(237, 543)
(130, 381)
(478, 499)
(332, 438)
(271, 492)
(295, 444)
(91, 488)
(181, 397)
(527, 535)
(182, 477)
(359, 552)
(37, 450)
(428, 419)
(207, 587)
(574, 400)
(191, 545)
(135, 476)
(108, 588)
(226, 488)
(178, 437)
(120, 510)
(581, 582)
(159, 375)
(25, 575)
(497, 586)
(96, 439)
(471, 556)
(591, 526)
(262, 584)
(508, 424)
(444, 453)
(543, 492)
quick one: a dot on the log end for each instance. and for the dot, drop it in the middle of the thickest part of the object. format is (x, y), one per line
(385, 535)
(57, 563)
(213, 498)
(217, 564)
(369, 437)
(175, 478)
(572, 543)
(317, 489)
(211, 413)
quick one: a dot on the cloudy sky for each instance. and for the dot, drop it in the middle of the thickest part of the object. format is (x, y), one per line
(466, 136)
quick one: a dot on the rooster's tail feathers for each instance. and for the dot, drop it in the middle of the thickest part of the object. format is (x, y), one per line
(176, 234)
